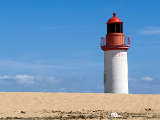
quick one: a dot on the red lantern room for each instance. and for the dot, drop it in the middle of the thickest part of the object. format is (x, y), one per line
(115, 39)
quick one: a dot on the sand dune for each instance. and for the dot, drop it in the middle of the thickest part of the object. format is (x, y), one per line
(78, 105)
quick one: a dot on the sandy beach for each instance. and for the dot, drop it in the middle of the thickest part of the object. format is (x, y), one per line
(78, 105)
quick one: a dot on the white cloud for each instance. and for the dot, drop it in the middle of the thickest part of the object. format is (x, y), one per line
(147, 78)
(20, 79)
(24, 79)
(2, 77)
(150, 31)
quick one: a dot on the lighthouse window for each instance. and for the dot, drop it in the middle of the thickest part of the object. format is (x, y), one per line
(119, 28)
(115, 28)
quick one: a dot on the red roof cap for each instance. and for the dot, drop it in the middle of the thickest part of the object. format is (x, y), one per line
(114, 19)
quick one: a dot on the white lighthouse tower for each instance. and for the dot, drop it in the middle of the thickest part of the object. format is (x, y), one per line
(115, 57)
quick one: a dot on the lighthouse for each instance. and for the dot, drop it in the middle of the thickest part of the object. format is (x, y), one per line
(115, 47)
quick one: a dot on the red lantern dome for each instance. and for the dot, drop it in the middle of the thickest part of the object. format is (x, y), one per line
(114, 19)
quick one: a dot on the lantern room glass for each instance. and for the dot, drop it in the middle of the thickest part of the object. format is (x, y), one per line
(115, 28)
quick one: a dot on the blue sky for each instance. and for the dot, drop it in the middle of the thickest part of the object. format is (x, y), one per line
(54, 45)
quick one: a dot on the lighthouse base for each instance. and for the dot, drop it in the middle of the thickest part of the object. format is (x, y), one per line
(115, 71)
